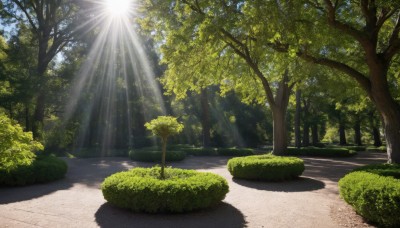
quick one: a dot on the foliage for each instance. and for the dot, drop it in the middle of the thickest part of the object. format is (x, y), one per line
(16, 146)
(387, 170)
(355, 148)
(43, 169)
(141, 189)
(320, 152)
(266, 167)
(374, 193)
(377, 149)
(235, 152)
(155, 155)
(164, 126)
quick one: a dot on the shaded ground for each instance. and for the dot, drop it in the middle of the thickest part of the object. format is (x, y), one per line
(76, 201)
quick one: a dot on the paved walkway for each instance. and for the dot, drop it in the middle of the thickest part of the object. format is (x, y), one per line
(76, 201)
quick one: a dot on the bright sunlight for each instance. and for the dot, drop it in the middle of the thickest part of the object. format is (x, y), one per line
(117, 8)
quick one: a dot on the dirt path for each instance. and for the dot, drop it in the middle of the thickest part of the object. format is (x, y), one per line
(76, 201)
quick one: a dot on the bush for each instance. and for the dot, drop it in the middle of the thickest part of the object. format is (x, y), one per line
(374, 192)
(43, 169)
(235, 152)
(199, 151)
(266, 167)
(377, 149)
(98, 152)
(16, 146)
(155, 155)
(355, 148)
(321, 152)
(143, 190)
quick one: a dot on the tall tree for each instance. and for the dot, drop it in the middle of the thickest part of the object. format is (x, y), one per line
(213, 42)
(357, 38)
(53, 24)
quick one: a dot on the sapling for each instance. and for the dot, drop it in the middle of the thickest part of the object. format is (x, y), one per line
(164, 126)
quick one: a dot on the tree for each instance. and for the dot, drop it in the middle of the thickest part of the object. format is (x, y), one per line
(214, 42)
(53, 24)
(357, 38)
(164, 126)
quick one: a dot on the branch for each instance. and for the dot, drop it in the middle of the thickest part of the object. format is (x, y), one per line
(21, 6)
(346, 28)
(359, 77)
(394, 42)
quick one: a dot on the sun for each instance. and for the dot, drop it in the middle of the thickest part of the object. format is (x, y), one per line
(117, 8)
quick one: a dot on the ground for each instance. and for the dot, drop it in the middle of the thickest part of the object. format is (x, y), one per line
(76, 201)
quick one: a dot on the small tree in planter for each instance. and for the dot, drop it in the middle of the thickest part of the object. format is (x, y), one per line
(164, 126)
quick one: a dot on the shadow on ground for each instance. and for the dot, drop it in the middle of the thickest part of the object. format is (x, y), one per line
(301, 184)
(223, 215)
(17, 194)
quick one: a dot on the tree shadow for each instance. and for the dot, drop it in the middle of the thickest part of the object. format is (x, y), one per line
(302, 184)
(222, 215)
(22, 193)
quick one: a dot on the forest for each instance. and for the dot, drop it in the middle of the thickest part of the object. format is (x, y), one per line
(234, 75)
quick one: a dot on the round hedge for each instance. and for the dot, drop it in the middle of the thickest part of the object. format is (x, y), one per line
(155, 155)
(43, 169)
(142, 190)
(374, 192)
(266, 167)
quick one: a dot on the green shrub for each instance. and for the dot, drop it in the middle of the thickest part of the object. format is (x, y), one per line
(16, 146)
(199, 151)
(266, 167)
(235, 152)
(320, 152)
(387, 170)
(142, 189)
(155, 156)
(374, 193)
(355, 148)
(97, 152)
(43, 169)
(377, 149)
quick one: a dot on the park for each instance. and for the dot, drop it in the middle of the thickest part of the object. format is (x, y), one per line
(180, 113)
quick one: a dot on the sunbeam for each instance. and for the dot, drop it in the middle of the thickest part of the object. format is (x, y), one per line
(116, 64)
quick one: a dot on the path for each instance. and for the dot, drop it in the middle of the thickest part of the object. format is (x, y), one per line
(76, 201)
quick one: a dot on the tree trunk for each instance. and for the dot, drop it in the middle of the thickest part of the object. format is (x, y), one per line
(377, 137)
(357, 132)
(392, 131)
(27, 118)
(297, 135)
(164, 152)
(342, 134)
(306, 134)
(314, 134)
(279, 130)
(205, 120)
(38, 116)
(279, 108)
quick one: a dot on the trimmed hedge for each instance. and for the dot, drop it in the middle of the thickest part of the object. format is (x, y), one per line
(321, 152)
(377, 149)
(199, 151)
(142, 190)
(155, 156)
(266, 167)
(43, 169)
(235, 152)
(374, 192)
(355, 148)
